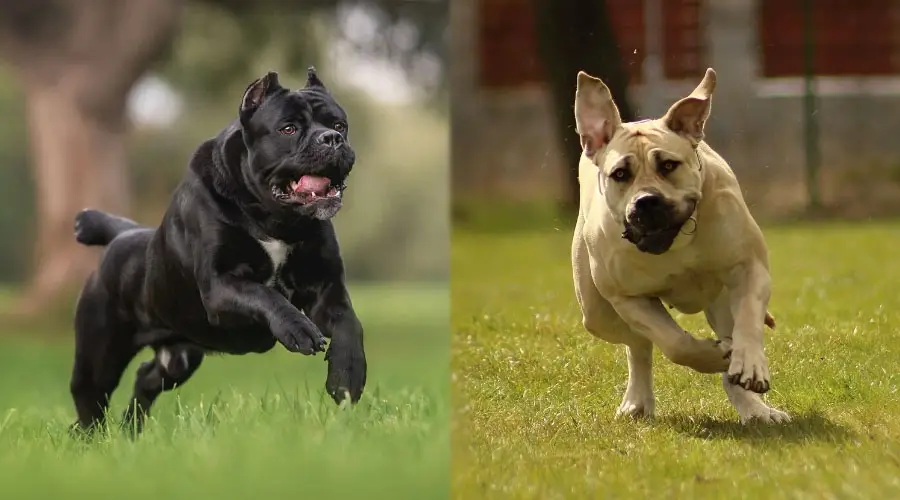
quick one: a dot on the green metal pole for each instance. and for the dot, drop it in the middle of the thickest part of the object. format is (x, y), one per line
(810, 117)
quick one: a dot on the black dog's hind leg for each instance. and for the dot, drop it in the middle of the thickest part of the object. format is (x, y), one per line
(172, 366)
(103, 349)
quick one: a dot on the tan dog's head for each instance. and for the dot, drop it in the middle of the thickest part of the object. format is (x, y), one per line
(649, 171)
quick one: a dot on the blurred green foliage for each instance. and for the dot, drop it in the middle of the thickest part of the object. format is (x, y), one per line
(395, 222)
(16, 206)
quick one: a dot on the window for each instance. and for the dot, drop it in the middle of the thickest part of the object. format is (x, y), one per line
(682, 39)
(507, 53)
(508, 50)
(851, 38)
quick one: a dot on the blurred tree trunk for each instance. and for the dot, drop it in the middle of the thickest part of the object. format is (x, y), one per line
(77, 61)
(576, 35)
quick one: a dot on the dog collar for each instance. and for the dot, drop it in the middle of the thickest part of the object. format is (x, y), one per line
(693, 220)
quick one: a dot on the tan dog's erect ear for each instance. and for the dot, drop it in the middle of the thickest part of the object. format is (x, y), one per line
(596, 115)
(688, 116)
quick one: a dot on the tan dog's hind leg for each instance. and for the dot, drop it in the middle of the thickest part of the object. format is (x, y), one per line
(749, 405)
(602, 321)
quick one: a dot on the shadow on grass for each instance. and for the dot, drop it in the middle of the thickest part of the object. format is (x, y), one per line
(805, 427)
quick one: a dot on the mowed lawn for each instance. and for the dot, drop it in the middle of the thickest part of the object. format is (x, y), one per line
(247, 427)
(534, 394)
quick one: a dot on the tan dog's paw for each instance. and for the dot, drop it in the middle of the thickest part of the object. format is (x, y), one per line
(703, 355)
(636, 406)
(749, 369)
(764, 415)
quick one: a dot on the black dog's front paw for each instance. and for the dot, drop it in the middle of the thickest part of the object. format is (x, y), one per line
(346, 373)
(300, 335)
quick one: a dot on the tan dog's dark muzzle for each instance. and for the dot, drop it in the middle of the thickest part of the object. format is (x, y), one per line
(653, 222)
(651, 212)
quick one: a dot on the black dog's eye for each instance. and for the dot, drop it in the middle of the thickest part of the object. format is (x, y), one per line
(620, 174)
(288, 130)
(668, 166)
(340, 127)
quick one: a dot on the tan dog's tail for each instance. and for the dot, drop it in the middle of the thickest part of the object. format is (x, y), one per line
(770, 320)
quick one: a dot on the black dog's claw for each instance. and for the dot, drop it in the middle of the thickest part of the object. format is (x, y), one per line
(294, 344)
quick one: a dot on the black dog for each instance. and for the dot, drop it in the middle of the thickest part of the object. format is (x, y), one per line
(245, 256)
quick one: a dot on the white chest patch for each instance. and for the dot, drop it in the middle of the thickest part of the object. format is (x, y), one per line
(278, 252)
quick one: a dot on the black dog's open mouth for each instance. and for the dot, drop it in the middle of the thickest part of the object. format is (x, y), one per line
(307, 189)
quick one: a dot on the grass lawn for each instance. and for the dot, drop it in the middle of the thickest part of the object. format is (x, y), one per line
(534, 393)
(256, 426)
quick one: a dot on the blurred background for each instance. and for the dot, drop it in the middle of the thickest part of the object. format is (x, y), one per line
(806, 108)
(104, 101)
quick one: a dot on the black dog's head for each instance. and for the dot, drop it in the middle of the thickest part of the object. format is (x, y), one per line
(298, 154)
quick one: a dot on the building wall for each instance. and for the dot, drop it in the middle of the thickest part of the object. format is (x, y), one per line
(504, 144)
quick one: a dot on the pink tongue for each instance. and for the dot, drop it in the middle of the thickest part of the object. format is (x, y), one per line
(312, 184)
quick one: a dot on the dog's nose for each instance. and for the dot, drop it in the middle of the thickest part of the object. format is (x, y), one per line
(648, 203)
(331, 138)
(650, 211)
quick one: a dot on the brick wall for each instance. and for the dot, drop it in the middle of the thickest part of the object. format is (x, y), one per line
(507, 47)
(861, 37)
(503, 137)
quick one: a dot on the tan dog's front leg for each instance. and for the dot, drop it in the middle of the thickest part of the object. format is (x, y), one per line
(749, 405)
(749, 293)
(599, 318)
(648, 317)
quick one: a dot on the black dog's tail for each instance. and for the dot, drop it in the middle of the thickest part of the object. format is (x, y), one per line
(96, 228)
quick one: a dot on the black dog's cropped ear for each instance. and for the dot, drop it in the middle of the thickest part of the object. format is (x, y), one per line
(312, 79)
(258, 90)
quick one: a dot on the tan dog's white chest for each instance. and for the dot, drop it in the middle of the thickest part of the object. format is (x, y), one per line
(678, 279)
(692, 292)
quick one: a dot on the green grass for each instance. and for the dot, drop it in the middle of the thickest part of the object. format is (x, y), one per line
(535, 394)
(256, 426)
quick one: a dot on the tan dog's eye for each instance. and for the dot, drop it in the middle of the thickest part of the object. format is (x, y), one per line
(668, 166)
(620, 174)
(288, 130)
(340, 127)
